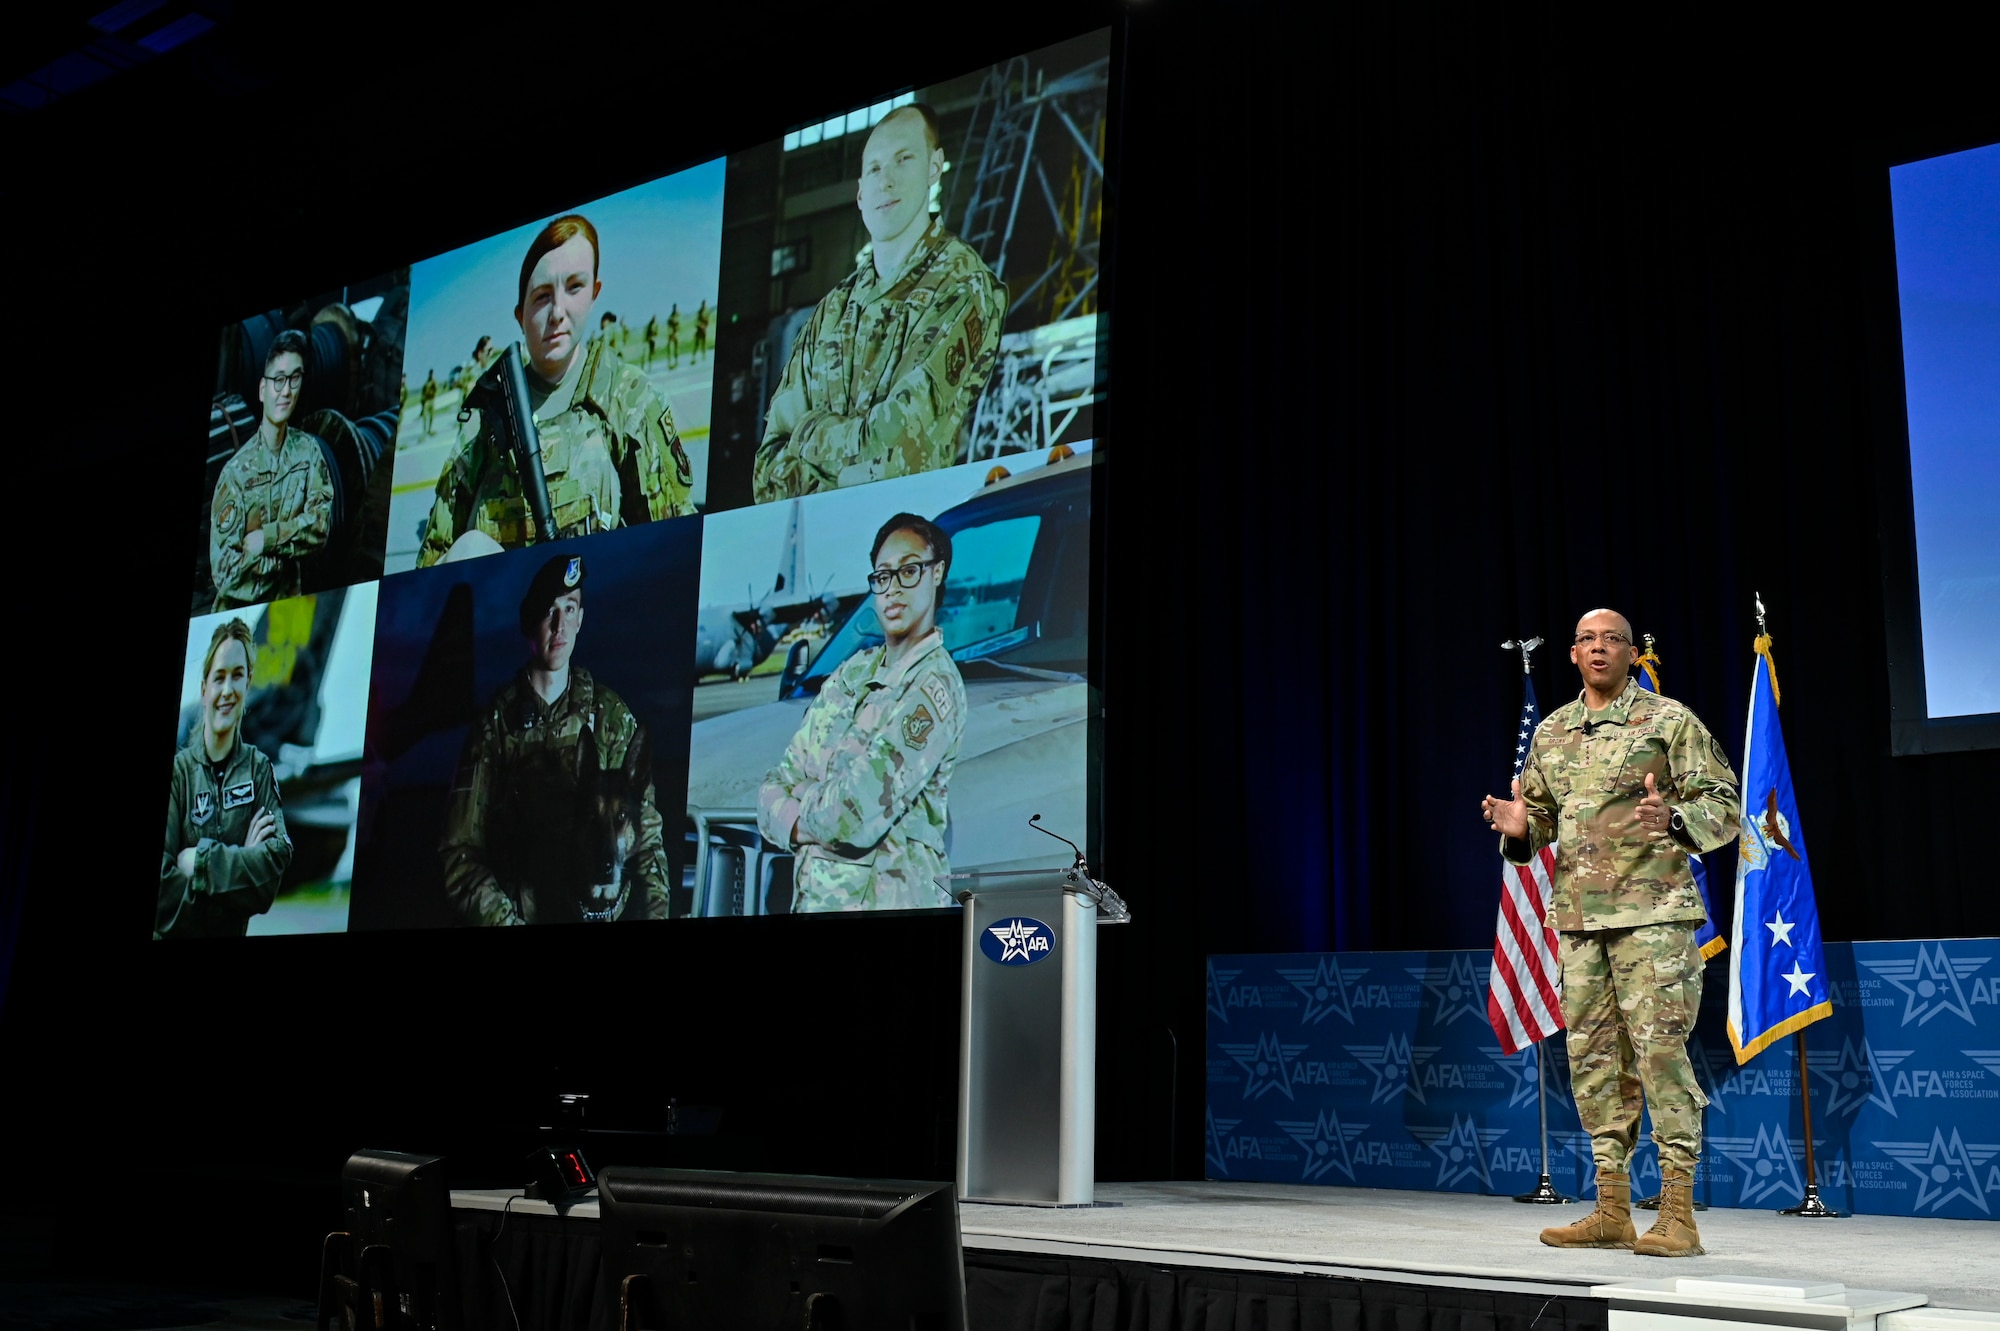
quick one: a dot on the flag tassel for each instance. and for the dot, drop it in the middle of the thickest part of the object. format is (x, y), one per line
(1810, 1206)
(1544, 1192)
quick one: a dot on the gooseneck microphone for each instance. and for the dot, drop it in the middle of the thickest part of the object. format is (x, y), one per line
(1081, 866)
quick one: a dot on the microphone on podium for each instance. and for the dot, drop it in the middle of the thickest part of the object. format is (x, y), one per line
(1113, 906)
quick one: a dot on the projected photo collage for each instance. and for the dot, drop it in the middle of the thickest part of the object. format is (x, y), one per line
(716, 547)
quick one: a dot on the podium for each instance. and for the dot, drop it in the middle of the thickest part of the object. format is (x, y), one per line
(1027, 1087)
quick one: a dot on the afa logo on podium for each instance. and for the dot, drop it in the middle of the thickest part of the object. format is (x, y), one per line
(1364, 1070)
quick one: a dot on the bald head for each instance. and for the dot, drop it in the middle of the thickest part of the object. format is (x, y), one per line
(1622, 624)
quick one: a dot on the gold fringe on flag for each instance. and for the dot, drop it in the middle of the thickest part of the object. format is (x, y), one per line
(1763, 648)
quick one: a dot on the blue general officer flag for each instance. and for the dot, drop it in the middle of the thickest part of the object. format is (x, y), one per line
(1777, 968)
(1706, 938)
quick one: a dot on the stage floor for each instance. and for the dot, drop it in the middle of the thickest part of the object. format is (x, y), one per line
(1465, 1241)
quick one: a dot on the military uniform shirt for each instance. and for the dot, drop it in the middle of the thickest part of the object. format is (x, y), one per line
(209, 807)
(880, 381)
(521, 748)
(1583, 788)
(288, 491)
(866, 778)
(610, 454)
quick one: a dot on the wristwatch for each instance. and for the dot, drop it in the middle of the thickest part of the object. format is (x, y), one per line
(1677, 824)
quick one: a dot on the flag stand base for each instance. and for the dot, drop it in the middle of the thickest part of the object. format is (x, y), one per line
(1812, 1208)
(1545, 1194)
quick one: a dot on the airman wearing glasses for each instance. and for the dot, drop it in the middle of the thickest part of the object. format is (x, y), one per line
(859, 796)
(273, 503)
(1625, 784)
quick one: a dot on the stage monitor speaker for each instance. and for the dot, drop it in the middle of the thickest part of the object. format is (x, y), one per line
(695, 1248)
(395, 1264)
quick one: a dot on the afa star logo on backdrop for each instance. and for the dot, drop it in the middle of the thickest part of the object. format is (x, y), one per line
(1326, 990)
(1397, 1067)
(1460, 991)
(1577, 1146)
(1217, 981)
(1944, 1169)
(1854, 1077)
(1214, 1131)
(1461, 1150)
(1930, 980)
(1520, 1070)
(1769, 1161)
(1267, 1065)
(1326, 1141)
(1705, 1062)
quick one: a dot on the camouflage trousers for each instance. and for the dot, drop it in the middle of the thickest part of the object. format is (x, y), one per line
(1629, 999)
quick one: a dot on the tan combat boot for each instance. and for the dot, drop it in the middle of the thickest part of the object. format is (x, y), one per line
(1673, 1234)
(1609, 1226)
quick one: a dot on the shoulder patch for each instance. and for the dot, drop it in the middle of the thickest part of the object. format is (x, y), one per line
(1715, 751)
(683, 469)
(939, 693)
(954, 363)
(917, 726)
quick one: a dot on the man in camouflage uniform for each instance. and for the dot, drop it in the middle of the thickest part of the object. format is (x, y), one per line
(610, 452)
(859, 796)
(1625, 784)
(882, 377)
(226, 847)
(525, 757)
(273, 503)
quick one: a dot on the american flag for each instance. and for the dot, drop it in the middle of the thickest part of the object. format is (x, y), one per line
(1524, 992)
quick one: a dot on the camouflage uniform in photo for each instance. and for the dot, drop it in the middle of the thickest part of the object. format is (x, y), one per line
(610, 453)
(518, 748)
(1625, 907)
(865, 780)
(883, 377)
(288, 490)
(210, 807)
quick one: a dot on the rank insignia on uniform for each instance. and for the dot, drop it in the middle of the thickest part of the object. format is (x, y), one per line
(917, 726)
(954, 363)
(204, 808)
(238, 795)
(573, 572)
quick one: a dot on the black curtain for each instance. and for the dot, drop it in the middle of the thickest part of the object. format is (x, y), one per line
(1438, 328)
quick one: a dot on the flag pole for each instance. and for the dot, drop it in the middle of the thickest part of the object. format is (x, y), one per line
(1544, 1192)
(1811, 1207)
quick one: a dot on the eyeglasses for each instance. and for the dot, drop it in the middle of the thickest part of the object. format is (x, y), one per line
(1613, 640)
(906, 576)
(291, 381)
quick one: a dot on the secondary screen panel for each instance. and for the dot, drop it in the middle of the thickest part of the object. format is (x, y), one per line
(721, 546)
(1948, 280)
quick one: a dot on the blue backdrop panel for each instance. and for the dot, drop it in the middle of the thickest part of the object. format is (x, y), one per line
(1378, 1070)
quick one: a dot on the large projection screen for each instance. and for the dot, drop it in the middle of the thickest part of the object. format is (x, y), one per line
(720, 546)
(1945, 639)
